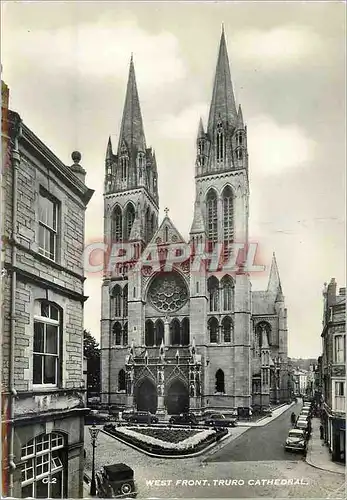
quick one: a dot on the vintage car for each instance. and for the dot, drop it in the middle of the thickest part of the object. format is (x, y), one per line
(220, 420)
(142, 417)
(266, 410)
(305, 414)
(296, 440)
(96, 417)
(184, 419)
(115, 481)
(303, 425)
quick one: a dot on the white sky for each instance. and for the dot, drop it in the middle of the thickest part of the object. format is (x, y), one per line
(67, 65)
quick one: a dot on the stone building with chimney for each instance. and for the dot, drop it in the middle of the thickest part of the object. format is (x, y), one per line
(44, 203)
(181, 338)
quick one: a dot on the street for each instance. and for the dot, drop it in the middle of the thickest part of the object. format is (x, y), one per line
(261, 444)
(252, 454)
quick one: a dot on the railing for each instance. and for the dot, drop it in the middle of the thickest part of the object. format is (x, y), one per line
(340, 403)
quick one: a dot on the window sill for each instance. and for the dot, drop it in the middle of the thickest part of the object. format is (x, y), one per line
(44, 390)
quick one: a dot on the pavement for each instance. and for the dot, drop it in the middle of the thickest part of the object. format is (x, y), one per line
(266, 420)
(318, 454)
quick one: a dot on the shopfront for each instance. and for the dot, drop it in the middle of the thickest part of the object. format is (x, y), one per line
(339, 440)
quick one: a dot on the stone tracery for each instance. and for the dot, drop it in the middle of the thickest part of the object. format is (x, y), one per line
(168, 293)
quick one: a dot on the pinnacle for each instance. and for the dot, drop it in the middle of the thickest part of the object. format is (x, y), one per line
(274, 284)
(201, 131)
(109, 152)
(240, 123)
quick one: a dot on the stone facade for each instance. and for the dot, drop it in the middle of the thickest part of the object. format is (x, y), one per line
(187, 335)
(42, 330)
(333, 370)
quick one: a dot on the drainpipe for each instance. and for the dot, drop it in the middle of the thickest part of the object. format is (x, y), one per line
(13, 392)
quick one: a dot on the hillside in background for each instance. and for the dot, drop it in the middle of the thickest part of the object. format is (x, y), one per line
(303, 364)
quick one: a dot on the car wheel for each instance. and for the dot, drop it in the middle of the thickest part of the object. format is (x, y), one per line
(126, 489)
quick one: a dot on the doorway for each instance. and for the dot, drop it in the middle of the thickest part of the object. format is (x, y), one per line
(146, 396)
(177, 399)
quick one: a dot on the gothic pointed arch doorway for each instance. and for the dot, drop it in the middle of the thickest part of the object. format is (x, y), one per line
(177, 398)
(146, 396)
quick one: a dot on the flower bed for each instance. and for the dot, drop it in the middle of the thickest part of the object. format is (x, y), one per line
(168, 435)
(142, 439)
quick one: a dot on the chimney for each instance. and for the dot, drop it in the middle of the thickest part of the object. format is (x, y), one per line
(76, 167)
(5, 95)
(342, 292)
(332, 292)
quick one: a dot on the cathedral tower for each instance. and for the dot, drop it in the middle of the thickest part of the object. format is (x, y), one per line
(220, 313)
(131, 206)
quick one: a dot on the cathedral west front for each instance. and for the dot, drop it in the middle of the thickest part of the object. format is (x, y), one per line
(178, 334)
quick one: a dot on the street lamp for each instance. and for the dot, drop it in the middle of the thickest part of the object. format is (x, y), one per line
(93, 434)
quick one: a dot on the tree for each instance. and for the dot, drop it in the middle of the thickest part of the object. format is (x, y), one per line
(91, 351)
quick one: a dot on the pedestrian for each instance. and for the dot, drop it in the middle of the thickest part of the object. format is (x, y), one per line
(321, 430)
(293, 419)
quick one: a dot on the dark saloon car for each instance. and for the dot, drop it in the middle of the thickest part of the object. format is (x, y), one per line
(142, 417)
(296, 441)
(115, 481)
(219, 420)
(184, 419)
(96, 417)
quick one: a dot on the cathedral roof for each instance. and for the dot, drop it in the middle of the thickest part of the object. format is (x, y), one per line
(167, 233)
(223, 105)
(263, 302)
(132, 131)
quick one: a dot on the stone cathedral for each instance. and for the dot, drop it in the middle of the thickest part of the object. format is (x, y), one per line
(184, 339)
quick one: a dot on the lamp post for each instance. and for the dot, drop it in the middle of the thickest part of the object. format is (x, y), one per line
(93, 434)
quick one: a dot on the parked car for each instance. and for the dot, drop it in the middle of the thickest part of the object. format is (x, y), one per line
(115, 481)
(220, 420)
(296, 440)
(184, 419)
(305, 413)
(266, 410)
(143, 417)
(96, 417)
(303, 425)
(126, 414)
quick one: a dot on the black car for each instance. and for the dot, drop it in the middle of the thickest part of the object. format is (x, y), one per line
(219, 420)
(96, 418)
(115, 481)
(143, 417)
(184, 419)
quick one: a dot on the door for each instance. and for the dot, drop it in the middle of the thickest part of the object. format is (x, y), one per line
(177, 399)
(146, 396)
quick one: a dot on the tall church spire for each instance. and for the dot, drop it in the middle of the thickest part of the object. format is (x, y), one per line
(132, 127)
(274, 284)
(223, 102)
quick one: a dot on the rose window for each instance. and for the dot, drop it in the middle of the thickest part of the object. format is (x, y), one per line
(168, 293)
